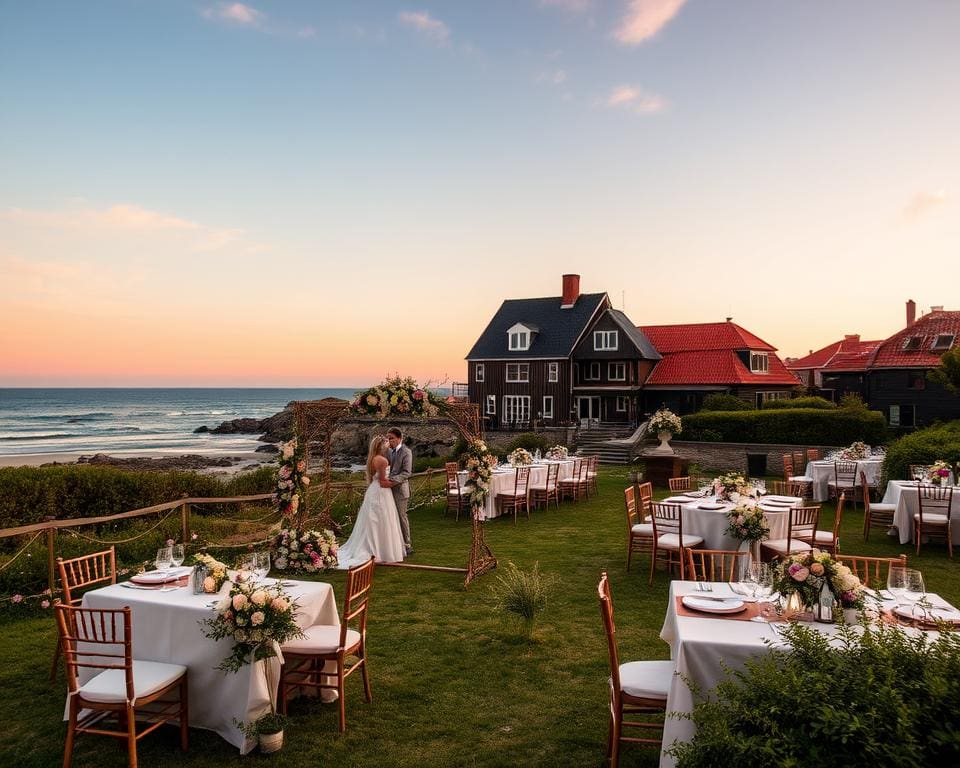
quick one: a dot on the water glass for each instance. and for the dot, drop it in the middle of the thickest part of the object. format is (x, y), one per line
(163, 558)
(897, 582)
(177, 555)
(913, 587)
(261, 564)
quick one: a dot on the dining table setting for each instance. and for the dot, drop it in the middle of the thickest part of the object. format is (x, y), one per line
(504, 476)
(905, 496)
(822, 471)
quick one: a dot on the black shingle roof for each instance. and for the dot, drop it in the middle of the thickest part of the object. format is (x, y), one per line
(638, 337)
(559, 329)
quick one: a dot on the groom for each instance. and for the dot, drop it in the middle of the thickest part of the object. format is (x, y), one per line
(401, 467)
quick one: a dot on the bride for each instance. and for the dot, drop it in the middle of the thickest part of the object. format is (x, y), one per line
(377, 528)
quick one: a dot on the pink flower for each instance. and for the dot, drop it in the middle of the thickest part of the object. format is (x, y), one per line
(16, 599)
(239, 601)
(209, 584)
(301, 466)
(279, 604)
(943, 472)
(418, 394)
(44, 603)
(801, 574)
(257, 618)
(284, 472)
(259, 597)
(193, 537)
(170, 542)
(47, 591)
(817, 569)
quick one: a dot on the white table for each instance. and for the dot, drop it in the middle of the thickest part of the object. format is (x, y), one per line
(711, 524)
(822, 473)
(903, 493)
(505, 480)
(166, 627)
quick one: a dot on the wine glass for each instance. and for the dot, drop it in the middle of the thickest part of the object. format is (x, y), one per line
(897, 583)
(749, 582)
(261, 565)
(913, 588)
(177, 555)
(163, 558)
(246, 567)
(762, 576)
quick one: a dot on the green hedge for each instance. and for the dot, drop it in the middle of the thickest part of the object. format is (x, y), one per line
(799, 402)
(722, 402)
(802, 426)
(941, 441)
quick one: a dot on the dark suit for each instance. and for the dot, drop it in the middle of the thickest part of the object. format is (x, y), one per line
(401, 467)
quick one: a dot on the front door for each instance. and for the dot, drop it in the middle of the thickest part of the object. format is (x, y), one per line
(588, 409)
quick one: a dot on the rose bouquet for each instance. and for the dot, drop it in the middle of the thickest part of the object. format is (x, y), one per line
(519, 457)
(806, 573)
(397, 397)
(308, 551)
(292, 480)
(938, 472)
(257, 618)
(730, 486)
(857, 451)
(748, 523)
(479, 463)
(665, 420)
(558, 453)
(216, 572)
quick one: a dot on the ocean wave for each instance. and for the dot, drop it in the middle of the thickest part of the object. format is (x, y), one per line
(54, 436)
(200, 413)
(70, 418)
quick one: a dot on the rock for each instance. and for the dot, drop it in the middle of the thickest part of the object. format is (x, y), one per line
(237, 427)
(268, 448)
(188, 462)
(201, 430)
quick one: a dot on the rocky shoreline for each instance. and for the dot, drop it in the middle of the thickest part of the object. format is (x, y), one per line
(187, 463)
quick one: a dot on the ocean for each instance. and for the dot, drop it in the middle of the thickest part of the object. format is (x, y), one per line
(137, 421)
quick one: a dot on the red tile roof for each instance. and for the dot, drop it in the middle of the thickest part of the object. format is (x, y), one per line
(706, 353)
(891, 353)
(848, 354)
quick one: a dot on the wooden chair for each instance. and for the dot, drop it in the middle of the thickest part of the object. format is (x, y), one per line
(457, 499)
(932, 517)
(548, 489)
(645, 500)
(801, 528)
(637, 688)
(102, 641)
(76, 576)
(680, 484)
(591, 477)
(844, 481)
(519, 500)
(669, 540)
(790, 476)
(829, 541)
(786, 488)
(813, 454)
(715, 564)
(874, 514)
(304, 658)
(575, 486)
(868, 569)
(639, 531)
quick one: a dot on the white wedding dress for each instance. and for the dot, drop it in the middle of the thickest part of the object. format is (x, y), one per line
(376, 531)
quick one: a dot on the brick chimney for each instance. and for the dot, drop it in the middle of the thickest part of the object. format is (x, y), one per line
(852, 337)
(571, 291)
(911, 312)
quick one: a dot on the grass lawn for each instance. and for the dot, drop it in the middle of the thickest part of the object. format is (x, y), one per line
(454, 683)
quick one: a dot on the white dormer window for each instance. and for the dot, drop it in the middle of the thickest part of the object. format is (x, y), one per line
(759, 362)
(519, 338)
(944, 341)
(604, 341)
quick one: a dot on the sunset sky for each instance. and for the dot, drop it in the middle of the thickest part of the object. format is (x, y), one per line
(316, 194)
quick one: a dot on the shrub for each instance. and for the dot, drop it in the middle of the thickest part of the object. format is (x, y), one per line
(865, 700)
(531, 441)
(799, 402)
(810, 426)
(521, 594)
(723, 402)
(941, 441)
(854, 401)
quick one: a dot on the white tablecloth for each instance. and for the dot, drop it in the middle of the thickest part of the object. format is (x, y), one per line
(166, 627)
(504, 481)
(712, 524)
(903, 493)
(822, 473)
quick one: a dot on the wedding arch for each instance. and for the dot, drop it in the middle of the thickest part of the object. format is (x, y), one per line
(315, 422)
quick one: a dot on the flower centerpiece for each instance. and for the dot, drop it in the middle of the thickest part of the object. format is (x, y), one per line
(748, 523)
(938, 472)
(290, 492)
(730, 487)
(665, 424)
(519, 457)
(308, 551)
(857, 451)
(479, 463)
(558, 453)
(397, 396)
(216, 574)
(806, 574)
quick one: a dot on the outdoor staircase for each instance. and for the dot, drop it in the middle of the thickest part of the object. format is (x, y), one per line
(613, 443)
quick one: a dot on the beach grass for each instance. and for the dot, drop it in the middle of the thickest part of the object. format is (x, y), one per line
(455, 683)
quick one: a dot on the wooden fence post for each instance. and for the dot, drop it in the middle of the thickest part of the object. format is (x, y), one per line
(185, 524)
(51, 564)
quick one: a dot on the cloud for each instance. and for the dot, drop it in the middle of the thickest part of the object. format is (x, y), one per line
(922, 203)
(645, 18)
(424, 23)
(235, 12)
(636, 100)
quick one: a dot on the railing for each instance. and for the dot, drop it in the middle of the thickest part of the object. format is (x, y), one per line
(460, 390)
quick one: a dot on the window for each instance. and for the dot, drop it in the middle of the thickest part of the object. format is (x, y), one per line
(553, 372)
(912, 343)
(762, 397)
(519, 341)
(621, 405)
(516, 409)
(491, 407)
(604, 340)
(902, 416)
(916, 381)
(943, 341)
(617, 371)
(592, 372)
(759, 362)
(518, 372)
(894, 417)
(548, 406)
(480, 373)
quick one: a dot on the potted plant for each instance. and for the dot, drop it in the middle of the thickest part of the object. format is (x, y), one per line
(665, 424)
(266, 730)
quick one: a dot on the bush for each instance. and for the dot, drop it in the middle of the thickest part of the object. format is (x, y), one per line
(531, 441)
(941, 441)
(810, 426)
(521, 594)
(721, 402)
(867, 702)
(854, 401)
(799, 402)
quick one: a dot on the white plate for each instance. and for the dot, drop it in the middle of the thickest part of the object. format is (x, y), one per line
(784, 499)
(161, 577)
(771, 507)
(676, 500)
(710, 505)
(931, 614)
(727, 605)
